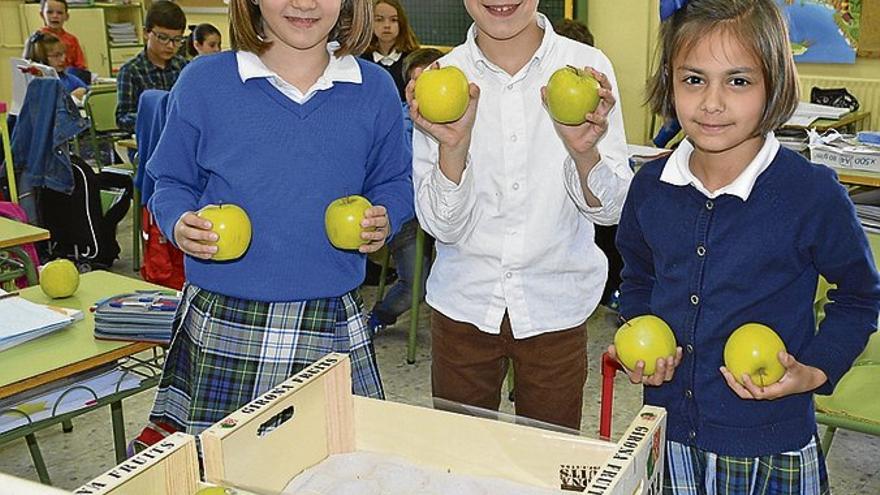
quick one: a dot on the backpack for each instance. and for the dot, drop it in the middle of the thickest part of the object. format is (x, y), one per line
(80, 229)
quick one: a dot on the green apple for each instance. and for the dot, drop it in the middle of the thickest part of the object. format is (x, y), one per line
(572, 93)
(342, 220)
(644, 338)
(233, 229)
(753, 349)
(442, 94)
(59, 278)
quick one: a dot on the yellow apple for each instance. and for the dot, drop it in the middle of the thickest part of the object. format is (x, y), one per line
(342, 220)
(644, 338)
(443, 94)
(572, 93)
(59, 278)
(233, 229)
(753, 349)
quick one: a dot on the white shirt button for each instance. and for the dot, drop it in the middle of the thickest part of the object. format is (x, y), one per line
(513, 137)
(516, 186)
(510, 86)
(508, 275)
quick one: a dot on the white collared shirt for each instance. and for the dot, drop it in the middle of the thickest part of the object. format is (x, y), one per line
(343, 69)
(516, 234)
(677, 170)
(386, 60)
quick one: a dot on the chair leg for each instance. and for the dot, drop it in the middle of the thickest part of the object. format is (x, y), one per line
(827, 438)
(136, 229)
(386, 260)
(416, 297)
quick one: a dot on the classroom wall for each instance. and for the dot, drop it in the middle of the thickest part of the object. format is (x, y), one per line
(11, 44)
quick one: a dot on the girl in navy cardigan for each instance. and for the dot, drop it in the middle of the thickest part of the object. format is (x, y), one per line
(282, 125)
(731, 229)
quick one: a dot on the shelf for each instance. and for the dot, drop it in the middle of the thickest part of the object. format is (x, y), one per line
(127, 45)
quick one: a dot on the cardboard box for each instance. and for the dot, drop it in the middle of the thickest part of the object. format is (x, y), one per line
(836, 153)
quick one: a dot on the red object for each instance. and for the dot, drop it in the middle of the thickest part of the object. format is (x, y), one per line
(610, 367)
(2, 107)
(74, 53)
(163, 263)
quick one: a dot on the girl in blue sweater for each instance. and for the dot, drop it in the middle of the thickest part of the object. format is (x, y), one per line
(282, 125)
(731, 229)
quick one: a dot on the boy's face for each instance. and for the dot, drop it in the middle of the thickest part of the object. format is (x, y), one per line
(502, 19)
(54, 14)
(162, 43)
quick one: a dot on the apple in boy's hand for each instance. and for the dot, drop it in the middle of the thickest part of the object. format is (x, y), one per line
(59, 278)
(233, 229)
(572, 93)
(342, 220)
(753, 349)
(442, 94)
(644, 338)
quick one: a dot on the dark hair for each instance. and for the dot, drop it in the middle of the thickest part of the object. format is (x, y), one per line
(352, 30)
(575, 30)
(759, 27)
(166, 15)
(406, 39)
(198, 34)
(36, 49)
(43, 4)
(421, 57)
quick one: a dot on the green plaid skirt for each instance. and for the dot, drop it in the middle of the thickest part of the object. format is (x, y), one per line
(691, 471)
(227, 351)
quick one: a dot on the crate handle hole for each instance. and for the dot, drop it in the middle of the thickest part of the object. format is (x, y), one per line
(275, 421)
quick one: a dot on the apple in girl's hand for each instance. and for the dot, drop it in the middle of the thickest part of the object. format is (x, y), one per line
(342, 220)
(59, 278)
(753, 349)
(233, 229)
(644, 338)
(442, 94)
(572, 93)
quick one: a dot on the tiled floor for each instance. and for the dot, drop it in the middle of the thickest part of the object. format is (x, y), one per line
(76, 457)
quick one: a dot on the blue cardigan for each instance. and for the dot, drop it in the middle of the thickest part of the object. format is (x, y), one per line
(228, 141)
(708, 266)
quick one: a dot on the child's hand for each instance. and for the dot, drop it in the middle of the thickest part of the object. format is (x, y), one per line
(581, 140)
(455, 135)
(798, 378)
(664, 371)
(375, 216)
(192, 233)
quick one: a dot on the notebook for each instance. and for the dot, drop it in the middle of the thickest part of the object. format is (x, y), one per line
(22, 320)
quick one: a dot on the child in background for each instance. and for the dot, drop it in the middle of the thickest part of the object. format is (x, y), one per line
(575, 30)
(320, 125)
(732, 228)
(46, 49)
(403, 246)
(55, 14)
(157, 67)
(203, 39)
(511, 198)
(393, 39)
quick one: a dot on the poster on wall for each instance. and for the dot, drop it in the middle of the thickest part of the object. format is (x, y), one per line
(823, 31)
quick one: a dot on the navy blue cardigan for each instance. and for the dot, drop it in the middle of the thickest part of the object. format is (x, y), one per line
(707, 266)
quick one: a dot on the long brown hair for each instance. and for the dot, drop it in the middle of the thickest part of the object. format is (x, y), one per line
(406, 38)
(353, 29)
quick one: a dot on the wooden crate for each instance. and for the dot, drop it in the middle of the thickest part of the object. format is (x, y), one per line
(319, 416)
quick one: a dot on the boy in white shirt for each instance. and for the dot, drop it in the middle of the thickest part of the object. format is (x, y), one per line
(511, 197)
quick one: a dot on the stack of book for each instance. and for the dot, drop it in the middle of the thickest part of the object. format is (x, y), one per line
(122, 33)
(144, 316)
(24, 320)
(869, 215)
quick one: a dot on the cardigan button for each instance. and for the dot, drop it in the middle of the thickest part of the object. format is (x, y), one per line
(692, 434)
(701, 251)
(695, 299)
(709, 204)
(689, 348)
(689, 394)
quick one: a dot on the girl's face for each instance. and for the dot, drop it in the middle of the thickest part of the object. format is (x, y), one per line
(211, 44)
(718, 87)
(55, 14)
(299, 24)
(55, 54)
(385, 24)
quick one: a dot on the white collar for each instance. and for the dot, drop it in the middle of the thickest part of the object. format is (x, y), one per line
(389, 59)
(480, 58)
(677, 170)
(345, 69)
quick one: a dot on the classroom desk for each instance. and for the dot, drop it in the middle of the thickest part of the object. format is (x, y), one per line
(13, 235)
(849, 123)
(858, 177)
(72, 351)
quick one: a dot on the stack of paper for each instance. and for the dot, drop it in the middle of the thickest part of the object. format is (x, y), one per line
(146, 316)
(807, 113)
(869, 215)
(23, 320)
(122, 33)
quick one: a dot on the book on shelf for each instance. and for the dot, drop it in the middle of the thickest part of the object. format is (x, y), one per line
(24, 320)
(807, 113)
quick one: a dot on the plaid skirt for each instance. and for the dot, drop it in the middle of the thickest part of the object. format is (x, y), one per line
(690, 471)
(227, 351)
